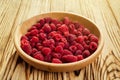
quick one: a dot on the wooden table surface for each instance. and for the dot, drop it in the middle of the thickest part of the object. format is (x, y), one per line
(105, 13)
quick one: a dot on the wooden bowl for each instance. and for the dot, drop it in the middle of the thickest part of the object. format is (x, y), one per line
(22, 29)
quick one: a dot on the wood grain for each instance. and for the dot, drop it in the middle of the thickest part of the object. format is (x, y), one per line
(106, 14)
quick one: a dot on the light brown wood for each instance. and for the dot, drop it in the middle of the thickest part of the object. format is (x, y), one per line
(105, 13)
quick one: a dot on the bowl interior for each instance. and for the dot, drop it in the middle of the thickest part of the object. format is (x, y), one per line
(22, 29)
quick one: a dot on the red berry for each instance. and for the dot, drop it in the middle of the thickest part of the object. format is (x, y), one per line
(57, 55)
(53, 27)
(48, 20)
(46, 51)
(59, 49)
(86, 31)
(86, 53)
(72, 48)
(69, 58)
(46, 28)
(93, 38)
(79, 57)
(66, 20)
(25, 45)
(78, 52)
(57, 37)
(93, 46)
(66, 52)
(55, 21)
(42, 22)
(57, 61)
(63, 28)
(38, 56)
(34, 39)
(32, 28)
(48, 58)
(79, 46)
(38, 25)
(34, 32)
(80, 39)
(71, 37)
(42, 36)
(24, 37)
(61, 44)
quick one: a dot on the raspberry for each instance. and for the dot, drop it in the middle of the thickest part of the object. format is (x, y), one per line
(57, 61)
(79, 46)
(46, 28)
(78, 52)
(39, 48)
(67, 52)
(34, 39)
(53, 27)
(38, 25)
(56, 55)
(69, 58)
(32, 44)
(55, 21)
(42, 22)
(41, 31)
(66, 20)
(93, 38)
(46, 51)
(58, 25)
(48, 20)
(42, 36)
(80, 39)
(93, 46)
(86, 53)
(77, 25)
(38, 56)
(72, 48)
(48, 58)
(34, 50)
(79, 57)
(86, 31)
(25, 45)
(61, 44)
(59, 49)
(63, 28)
(24, 37)
(71, 27)
(32, 28)
(71, 37)
(34, 32)
(57, 37)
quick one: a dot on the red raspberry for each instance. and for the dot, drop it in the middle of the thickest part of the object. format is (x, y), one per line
(78, 52)
(41, 31)
(34, 32)
(64, 40)
(80, 39)
(42, 22)
(34, 39)
(24, 37)
(38, 25)
(93, 46)
(61, 44)
(57, 61)
(25, 45)
(85, 38)
(38, 56)
(46, 28)
(55, 21)
(59, 49)
(34, 50)
(86, 31)
(48, 58)
(71, 37)
(72, 48)
(71, 27)
(56, 55)
(79, 57)
(66, 52)
(66, 20)
(52, 33)
(79, 33)
(57, 37)
(58, 25)
(53, 27)
(93, 38)
(86, 53)
(32, 44)
(77, 25)
(69, 58)
(42, 36)
(63, 28)
(32, 28)
(46, 51)
(79, 46)
(48, 20)
(39, 48)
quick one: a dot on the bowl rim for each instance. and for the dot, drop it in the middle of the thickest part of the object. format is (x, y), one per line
(21, 52)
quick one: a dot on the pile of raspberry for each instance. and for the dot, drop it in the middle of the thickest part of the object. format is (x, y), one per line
(58, 41)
